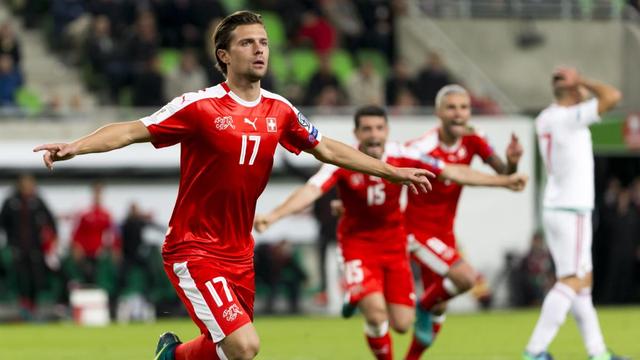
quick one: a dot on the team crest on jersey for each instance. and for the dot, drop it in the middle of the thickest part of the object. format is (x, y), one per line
(232, 312)
(462, 152)
(357, 179)
(224, 122)
(272, 125)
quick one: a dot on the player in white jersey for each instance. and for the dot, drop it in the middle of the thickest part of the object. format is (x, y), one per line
(565, 146)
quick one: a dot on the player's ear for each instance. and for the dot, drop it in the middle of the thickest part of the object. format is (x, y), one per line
(223, 55)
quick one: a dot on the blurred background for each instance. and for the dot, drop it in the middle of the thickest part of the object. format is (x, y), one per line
(70, 66)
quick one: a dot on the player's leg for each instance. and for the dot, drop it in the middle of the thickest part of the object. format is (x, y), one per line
(564, 236)
(459, 279)
(399, 292)
(221, 303)
(374, 310)
(424, 335)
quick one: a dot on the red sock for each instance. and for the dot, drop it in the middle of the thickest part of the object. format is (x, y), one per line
(434, 294)
(199, 348)
(436, 329)
(381, 346)
(415, 350)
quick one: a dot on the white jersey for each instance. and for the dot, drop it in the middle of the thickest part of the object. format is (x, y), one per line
(565, 145)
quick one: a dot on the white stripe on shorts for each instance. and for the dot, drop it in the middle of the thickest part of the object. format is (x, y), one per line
(200, 306)
(427, 257)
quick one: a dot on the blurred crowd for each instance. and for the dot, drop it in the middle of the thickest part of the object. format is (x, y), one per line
(144, 53)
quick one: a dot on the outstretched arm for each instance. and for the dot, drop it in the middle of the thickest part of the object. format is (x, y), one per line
(334, 152)
(514, 153)
(296, 202)
(107, 138)
(465, 175)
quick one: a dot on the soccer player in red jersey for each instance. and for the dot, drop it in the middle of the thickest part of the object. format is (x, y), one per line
(228, 134)
(429, 219)
(371, 234)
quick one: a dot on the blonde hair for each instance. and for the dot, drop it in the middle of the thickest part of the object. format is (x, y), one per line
(448, 90)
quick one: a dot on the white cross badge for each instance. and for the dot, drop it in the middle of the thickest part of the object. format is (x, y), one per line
(272, 124)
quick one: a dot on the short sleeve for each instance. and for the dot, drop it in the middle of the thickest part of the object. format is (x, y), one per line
(173, 122)
(325, 178)
(299, 133)
(586, 113)
(482, 147)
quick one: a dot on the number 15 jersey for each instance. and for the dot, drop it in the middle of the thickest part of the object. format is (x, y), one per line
(227, 146)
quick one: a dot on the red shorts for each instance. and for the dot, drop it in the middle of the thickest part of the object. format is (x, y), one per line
(218, 295)
(435, 253)
(378, 271)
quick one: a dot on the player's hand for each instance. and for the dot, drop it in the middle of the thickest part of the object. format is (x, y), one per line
(517, 182)
(414, 178)
(514, 150)
(569, 76)
(55, 152)
(261, 223)
(337, 208)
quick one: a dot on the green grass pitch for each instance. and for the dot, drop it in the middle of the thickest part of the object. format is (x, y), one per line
(487, 336)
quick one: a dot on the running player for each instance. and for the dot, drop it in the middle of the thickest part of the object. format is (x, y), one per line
(228, 134)
(371, 233)
(566, 150)
(430, 218)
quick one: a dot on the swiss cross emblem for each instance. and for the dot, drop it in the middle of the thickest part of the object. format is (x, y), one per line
(272, 124)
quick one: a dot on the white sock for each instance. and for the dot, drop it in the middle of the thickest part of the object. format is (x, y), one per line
(555, 307)
(376, 331)
(587, 320)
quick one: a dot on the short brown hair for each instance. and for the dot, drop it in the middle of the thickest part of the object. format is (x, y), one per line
(369, 110)
(222, 35)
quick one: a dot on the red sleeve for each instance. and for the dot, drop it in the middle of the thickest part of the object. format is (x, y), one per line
(174, 122)
(325, 178)
(299, 134)
(482, 147)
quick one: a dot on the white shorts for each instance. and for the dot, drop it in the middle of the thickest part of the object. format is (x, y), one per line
(569, 235)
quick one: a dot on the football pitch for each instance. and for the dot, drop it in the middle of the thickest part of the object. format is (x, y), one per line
(490, 336)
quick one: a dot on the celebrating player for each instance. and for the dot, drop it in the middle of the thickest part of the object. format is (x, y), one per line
(430, 218)
(228, 134)
(371, 234)
(565, 146)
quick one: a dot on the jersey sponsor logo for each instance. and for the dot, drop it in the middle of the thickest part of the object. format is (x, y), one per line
(356, 179)
(224, 122)
(232, 312)
(272, 125)
(252, 123)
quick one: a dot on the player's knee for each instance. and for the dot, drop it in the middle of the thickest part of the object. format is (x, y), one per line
(403, 325)
(243, 349)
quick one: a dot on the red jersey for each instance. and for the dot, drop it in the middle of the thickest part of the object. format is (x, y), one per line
(94, 230)
(227, 146)
(434, 212)
(372, 212)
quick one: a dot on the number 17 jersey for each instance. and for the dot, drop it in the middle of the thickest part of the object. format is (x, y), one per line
(227, 146)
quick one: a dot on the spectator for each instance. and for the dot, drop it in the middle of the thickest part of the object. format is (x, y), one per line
(322, 79)
(344, 15)
(187, 77)
(10, 81)
(365, 86)
(135, 255)
(31, 237)
(144, 42)
(624, 242)
(93, 236)
(64, 12)
(318, 31)
(100, 46)
(538, 268)
(148, 85)
(431, 79)
(9, 43)
(399, 81)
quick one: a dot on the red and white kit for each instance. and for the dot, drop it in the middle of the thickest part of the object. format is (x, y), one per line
(371, 233)
(227, 146)
(429, 218)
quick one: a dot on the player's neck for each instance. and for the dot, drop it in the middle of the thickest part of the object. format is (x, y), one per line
(446, 139)
(245, 89)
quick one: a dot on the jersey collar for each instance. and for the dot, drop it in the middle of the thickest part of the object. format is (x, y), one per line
(239, 100)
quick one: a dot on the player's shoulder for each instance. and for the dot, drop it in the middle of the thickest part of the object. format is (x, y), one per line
(426, 142)
(473, 134)
(278, 98)
(394, 149)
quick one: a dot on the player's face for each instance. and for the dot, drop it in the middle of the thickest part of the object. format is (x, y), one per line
(454, 112)
(372, 133)
(248, 53)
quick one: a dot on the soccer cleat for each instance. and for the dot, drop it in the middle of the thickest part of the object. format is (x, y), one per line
(542, 356)
(424, 326)
(348, 309)
(167, 346)
(608, 356)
